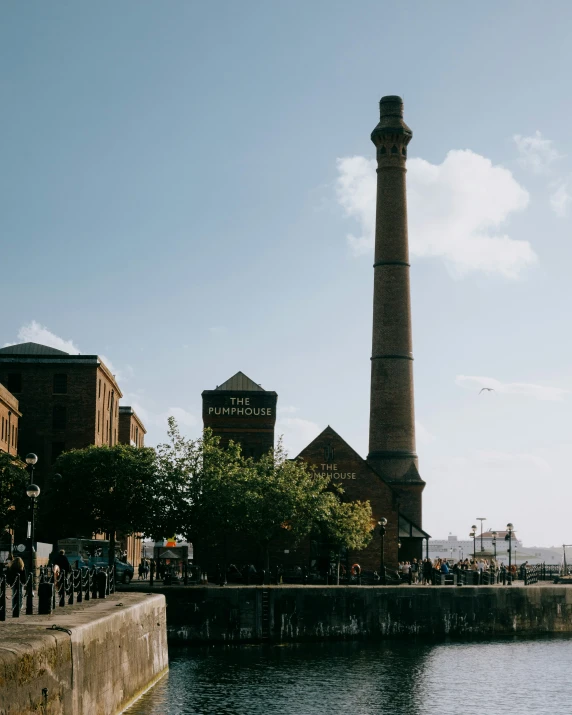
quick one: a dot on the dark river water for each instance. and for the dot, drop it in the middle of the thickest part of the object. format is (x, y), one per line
(520, 677)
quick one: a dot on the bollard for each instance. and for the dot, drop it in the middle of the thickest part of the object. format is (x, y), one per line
(93, 584)
(45, 597)
(101, 582)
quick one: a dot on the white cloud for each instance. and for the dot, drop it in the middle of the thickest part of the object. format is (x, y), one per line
(539, 392)
(536, 152)
(560, 199)
(287, 410)
(297, 432)
(218, 330)
(33, 332)
(456, 211)
(183, 417)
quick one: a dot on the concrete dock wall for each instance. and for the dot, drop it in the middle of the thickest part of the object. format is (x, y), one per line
(109, 652)
(290, 613)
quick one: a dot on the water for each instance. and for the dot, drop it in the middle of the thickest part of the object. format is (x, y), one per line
(398, 678)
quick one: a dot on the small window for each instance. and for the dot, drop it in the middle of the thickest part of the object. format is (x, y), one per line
(57, 449)
(60, 384)
(99, 389)
(98, 419)
(14, 382)
(60, 417)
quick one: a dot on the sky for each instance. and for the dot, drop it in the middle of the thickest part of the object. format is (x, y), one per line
(187, 190)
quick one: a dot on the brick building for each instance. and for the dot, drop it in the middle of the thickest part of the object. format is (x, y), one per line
(131, 429)
(9, 416)
(67, 401)
(389, 478)
(242, 411)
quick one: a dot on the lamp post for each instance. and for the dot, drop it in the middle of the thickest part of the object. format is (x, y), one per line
(509, 530)
(481, 519)
(494, 535)
(473, 536)
(33, 491)
(382, 524)
(31, 460)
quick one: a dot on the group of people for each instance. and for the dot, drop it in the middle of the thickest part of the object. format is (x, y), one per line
(422, 570)
(144, 569)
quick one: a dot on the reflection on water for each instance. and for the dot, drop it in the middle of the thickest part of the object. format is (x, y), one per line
(397, 678)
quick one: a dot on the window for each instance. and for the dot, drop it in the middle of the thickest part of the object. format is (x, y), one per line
(2, 429)
(99, 389)
(98, 418)
(60, 384)
(57, 449)
(60, 417)
(14, 382)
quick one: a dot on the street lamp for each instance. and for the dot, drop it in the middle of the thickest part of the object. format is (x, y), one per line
(473, 536)
(31, 460)
(481, 519)
(509, 530)
(33, 491)
(494, 535)
(382, 523)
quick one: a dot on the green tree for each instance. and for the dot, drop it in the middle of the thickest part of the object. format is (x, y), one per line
(202, 481)
(281, 494)
(348, 525)
(104, 490)
(14, 503)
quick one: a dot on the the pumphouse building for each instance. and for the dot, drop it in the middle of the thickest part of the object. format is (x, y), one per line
(389, 477)
(242, 411)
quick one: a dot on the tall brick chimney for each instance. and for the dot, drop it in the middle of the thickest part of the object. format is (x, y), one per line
(392, 417)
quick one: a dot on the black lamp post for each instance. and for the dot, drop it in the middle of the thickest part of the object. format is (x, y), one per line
(31, 460)
(473, 536)
(494, 535)
(481, 519)
(509, 530)
(33, 491)
(382, 524)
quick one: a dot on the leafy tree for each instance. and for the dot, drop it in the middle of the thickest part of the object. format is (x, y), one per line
(104, 489)
(14, 503)
(348, 525)
(278, 494)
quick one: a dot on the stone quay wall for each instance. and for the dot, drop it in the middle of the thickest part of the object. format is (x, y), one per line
(108, 654)
(236, 614)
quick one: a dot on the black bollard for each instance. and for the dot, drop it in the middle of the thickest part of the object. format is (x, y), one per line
(45, 597)
(101, 579)
(94, 584)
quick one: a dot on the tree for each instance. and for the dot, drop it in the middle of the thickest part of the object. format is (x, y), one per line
(14, 502)
(104, 489)
(348, 525)
(282, 494)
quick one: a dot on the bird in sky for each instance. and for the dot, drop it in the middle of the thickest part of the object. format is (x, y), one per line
(487, 389)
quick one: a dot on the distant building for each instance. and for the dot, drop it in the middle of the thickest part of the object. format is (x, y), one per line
(454, 548)
(67, 401)
(131, 429)
(9, 416)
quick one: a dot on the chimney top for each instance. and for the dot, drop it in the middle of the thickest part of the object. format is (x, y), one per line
(391, 106)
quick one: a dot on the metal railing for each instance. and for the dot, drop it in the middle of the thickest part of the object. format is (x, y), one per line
(54, 589)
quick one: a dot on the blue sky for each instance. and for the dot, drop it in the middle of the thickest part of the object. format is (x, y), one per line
(186, 190)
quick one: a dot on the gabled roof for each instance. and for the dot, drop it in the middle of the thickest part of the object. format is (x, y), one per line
(330, 432)
(31, 349)
(240, 382)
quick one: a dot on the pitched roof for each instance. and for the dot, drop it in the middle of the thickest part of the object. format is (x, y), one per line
(31, 349)
(240, 382)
